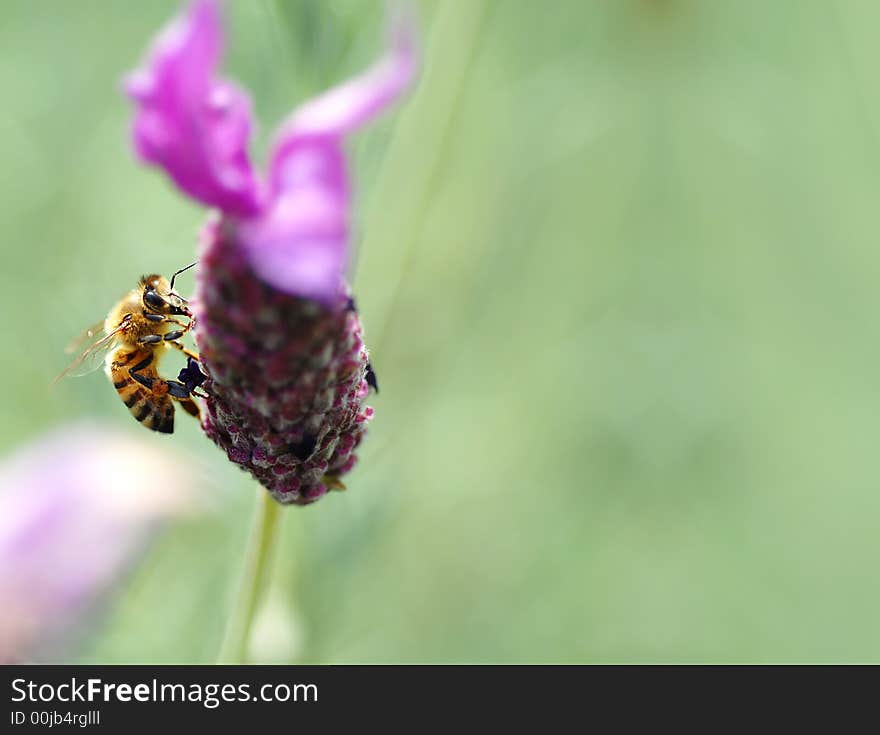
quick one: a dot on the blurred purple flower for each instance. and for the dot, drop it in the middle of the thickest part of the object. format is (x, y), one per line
(279, 335)
(76, 508)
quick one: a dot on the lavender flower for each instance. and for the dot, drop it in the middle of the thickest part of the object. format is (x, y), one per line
(73, 517)
(279, 337)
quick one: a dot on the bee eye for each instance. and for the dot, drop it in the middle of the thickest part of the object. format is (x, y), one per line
(151, 298)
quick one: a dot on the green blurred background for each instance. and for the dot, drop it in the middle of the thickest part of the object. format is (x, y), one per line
(617, 267)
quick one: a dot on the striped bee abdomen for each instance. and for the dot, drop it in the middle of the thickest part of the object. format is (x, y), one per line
(152, 406)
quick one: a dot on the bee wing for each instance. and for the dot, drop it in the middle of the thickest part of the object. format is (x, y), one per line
(86, 336)
(91, 357)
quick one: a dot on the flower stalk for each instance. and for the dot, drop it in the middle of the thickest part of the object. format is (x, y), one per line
(255, 579)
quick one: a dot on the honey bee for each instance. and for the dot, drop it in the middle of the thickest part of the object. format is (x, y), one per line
(132, 339)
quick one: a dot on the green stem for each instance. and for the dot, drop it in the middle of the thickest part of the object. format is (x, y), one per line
(254, 580)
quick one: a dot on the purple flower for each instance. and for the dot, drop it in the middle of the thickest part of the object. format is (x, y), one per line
(73, 517)
(279, 337)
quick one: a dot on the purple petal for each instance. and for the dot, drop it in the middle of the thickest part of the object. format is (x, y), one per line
(300, 244)
(190, 123)
(345, 108)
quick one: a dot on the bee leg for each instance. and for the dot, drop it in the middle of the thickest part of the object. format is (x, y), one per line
(191, 407)
(173, 389)
(184, 350)
(152, 339)
(160, 318)
(142, 379)
(186, 327)
(177, 389)
(181, 393)
(159, 386)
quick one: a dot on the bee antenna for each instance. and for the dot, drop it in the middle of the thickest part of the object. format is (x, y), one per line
(179, 272)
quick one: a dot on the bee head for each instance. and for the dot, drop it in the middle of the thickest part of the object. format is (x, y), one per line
(158, 298)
